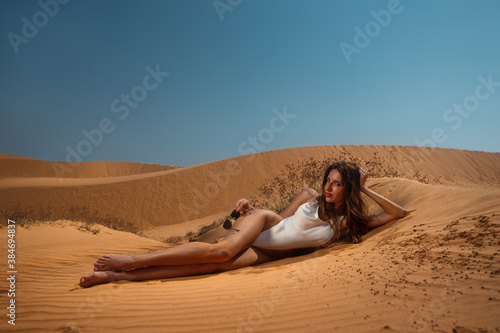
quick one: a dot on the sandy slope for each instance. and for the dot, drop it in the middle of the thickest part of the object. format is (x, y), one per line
(173, 196)
(436, 270)
(22, 167)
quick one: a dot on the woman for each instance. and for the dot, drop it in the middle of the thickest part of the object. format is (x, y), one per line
(260, 236)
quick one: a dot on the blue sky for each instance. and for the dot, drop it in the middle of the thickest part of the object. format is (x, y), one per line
(188, 82)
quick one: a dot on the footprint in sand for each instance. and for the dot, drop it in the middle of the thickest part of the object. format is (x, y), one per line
(460, 329)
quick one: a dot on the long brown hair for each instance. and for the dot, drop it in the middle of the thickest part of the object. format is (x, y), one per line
(354, 207)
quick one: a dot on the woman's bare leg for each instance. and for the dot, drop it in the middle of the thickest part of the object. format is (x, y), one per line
(248, 257)
(245, 230)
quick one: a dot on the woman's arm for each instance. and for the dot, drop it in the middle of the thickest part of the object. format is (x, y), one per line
(391, 211)
(306, 195)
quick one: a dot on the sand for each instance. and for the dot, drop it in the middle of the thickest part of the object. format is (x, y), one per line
(436, 270)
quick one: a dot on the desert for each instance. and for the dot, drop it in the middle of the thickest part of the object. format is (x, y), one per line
(435, 270)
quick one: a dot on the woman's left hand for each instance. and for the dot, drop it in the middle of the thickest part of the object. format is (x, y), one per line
(363, 176)
(243, 206)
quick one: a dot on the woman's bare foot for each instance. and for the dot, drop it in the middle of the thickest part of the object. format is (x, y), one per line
(115, 262)
(94, 278)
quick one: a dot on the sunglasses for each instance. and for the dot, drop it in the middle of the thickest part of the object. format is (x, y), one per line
(228, 224)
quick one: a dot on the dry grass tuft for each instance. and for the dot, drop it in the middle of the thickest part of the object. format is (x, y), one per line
(277, 193)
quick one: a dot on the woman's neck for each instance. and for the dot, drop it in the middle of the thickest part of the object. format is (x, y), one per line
(340, 209)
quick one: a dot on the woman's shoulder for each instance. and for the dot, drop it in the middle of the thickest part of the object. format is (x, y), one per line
(305, 196)
(311, 193)
(310, 197)
(309, 207)
(311, 202)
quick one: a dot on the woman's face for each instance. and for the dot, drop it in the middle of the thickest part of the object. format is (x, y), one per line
(334, 189)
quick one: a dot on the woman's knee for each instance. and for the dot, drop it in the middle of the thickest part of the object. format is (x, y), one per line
(222, 252)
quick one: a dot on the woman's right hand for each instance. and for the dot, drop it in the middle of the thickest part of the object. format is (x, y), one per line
(363, 176)
(243, 206)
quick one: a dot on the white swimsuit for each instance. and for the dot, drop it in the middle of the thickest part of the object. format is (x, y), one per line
(303, 229)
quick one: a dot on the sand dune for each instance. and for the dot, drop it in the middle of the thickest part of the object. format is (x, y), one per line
(437, 270)
(173, 196)
(22, 167)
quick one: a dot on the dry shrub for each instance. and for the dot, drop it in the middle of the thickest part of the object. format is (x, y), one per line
(276, 193)
(89, 218)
